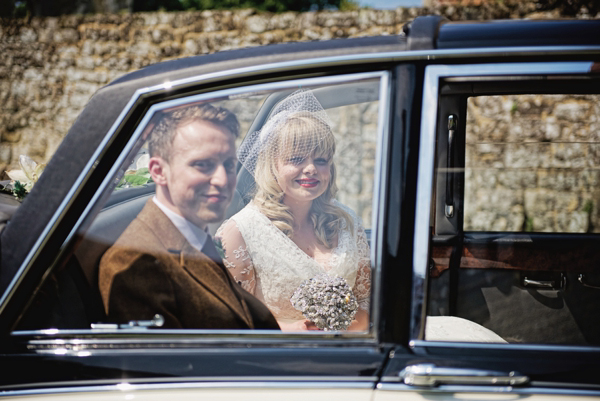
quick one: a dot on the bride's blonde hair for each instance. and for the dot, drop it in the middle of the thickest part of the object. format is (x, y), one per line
(300, 135)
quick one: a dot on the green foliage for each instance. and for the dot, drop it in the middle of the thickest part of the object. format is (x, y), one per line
(220, 247)
(19, 190)
(135, 178)
(529, 224)
(588, 206)
(155, 5)
(349, 5)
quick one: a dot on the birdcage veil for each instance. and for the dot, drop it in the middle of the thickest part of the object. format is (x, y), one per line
(298, 125)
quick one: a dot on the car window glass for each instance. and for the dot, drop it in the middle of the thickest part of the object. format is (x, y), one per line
(154, 270)
(531, 163)
(513, 261)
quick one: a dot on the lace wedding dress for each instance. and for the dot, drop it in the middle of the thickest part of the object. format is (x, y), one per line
(271, 266)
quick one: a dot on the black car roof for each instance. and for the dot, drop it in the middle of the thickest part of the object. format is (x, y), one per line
(518, 33)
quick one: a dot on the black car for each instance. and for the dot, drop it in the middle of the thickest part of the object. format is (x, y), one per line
(471, 153)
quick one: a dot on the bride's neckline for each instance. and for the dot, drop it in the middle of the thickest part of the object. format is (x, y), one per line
(326, 266)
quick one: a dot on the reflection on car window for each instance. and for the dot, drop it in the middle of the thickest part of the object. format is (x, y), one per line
(519, 265)
(189, 237)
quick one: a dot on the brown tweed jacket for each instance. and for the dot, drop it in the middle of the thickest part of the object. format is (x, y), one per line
(153, 269)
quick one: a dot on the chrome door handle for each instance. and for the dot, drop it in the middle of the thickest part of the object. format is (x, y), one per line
(429, 375)
(538, 283)
(449, 209)
(157, 321)
(559, 283)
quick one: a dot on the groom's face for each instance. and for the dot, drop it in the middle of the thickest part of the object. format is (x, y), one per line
(200, 175)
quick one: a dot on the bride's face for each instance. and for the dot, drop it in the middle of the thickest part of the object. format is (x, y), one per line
(303, 178)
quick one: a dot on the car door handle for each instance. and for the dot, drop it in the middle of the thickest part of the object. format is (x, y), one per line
(429, 375)
(557, 282)
(449, 209)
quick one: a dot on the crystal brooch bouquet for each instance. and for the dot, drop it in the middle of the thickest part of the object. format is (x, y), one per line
(326, 301)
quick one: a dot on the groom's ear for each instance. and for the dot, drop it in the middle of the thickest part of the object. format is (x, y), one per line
(158, 168)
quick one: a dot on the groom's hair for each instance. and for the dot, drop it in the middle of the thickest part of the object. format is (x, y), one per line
(163, 134)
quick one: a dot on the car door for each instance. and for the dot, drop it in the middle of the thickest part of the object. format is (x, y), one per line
(505, 243)
(57, 334)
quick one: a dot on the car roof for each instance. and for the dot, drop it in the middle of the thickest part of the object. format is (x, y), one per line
(518, 33)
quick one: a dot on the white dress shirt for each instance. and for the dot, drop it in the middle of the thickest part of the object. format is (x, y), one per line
(193, 234)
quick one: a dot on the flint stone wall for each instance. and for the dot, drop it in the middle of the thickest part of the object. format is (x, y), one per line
(50, 67)
(533, 163)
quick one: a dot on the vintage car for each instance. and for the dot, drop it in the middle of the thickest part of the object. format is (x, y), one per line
(471, 152)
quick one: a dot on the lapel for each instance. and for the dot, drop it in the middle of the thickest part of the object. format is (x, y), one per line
(215, 279)
(205, 271)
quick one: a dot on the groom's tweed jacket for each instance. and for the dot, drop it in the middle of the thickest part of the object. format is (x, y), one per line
(153, 269)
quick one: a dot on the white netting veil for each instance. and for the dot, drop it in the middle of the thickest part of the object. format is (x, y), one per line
(297, 127)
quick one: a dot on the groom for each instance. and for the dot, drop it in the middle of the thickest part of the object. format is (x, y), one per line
(165, 262)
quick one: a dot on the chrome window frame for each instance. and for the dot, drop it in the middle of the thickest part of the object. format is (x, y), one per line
(425, 176)
(235, 336)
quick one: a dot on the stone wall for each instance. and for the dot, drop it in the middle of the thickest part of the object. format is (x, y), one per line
(533, 163)
(49, 67)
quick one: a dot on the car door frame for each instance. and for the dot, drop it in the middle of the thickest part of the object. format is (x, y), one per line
(104, 355)
(550, 369)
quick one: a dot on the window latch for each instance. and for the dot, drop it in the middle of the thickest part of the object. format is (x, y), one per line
(429, 375)
(157, 321)
(449, 209)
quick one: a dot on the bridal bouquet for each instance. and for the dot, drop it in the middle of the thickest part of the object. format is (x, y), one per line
(326, 301)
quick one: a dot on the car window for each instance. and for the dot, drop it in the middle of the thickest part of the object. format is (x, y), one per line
(184, 193)
(513, 228)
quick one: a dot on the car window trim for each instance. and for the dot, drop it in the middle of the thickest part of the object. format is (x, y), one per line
(431, 88)
(384, 94)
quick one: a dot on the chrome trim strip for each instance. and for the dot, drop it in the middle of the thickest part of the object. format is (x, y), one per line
(533, 389)
(271, 68)
(380, 57)
(422, 344)
(175, 345)
(433, 74)
(380, 195)
(366, 383)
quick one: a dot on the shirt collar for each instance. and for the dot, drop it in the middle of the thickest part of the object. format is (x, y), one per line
(191, 232)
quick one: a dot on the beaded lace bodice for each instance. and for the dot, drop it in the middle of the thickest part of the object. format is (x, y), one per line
(271, 266)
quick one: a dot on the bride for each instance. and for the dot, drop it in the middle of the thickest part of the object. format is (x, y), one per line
(294, 229)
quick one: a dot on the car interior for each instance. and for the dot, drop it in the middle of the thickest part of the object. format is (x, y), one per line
(70, 299)
(526, 281)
